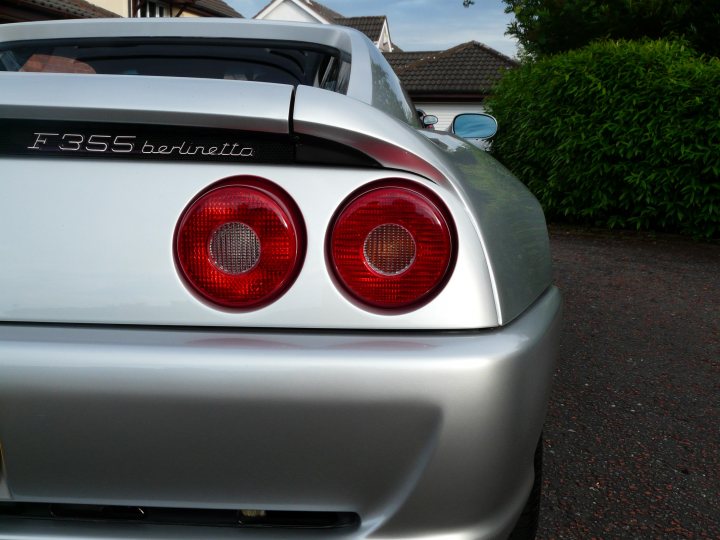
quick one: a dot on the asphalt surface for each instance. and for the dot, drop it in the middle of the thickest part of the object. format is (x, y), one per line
(632, 438)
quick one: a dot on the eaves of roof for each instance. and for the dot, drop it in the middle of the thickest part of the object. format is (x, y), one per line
(323, 11)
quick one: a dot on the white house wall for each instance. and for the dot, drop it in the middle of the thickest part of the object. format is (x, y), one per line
(289, 11)
(116, 6)
(384, 43)
(447, 111)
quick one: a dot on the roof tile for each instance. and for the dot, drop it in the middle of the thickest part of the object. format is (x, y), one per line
(324, 11)
(370, 26)
(469, 68)
(216, 8)
(400, 59)
(69, 8)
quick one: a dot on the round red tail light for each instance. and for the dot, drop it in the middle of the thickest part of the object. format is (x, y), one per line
(392, 245)
(240, 245)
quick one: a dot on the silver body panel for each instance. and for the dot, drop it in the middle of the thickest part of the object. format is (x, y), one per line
(110, 259)
(118, 386)
(292, 421)
(508, 221)
(508, 232)
(253, 106)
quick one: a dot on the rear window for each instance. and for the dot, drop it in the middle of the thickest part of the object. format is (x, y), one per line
(275, 62)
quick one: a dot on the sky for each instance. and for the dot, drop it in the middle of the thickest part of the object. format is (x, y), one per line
(423, 25)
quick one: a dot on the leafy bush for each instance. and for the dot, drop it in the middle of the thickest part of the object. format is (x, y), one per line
(619, 134)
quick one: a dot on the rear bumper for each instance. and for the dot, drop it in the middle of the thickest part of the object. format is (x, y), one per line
(420, 434)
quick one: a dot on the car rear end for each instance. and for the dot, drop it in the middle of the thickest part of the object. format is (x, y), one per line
(254, 300)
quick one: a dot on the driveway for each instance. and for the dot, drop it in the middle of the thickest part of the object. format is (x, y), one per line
(632, 440)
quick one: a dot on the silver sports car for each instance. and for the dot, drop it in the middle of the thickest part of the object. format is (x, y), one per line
(244, 295)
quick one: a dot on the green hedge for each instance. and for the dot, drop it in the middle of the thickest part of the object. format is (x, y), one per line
(617, 134)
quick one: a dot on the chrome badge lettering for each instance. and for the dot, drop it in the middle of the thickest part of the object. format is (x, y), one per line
(77, 142)
(130, 144)
(41, 139)
(190, 149)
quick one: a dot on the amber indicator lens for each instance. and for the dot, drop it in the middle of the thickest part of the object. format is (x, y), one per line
(241, 244)
(389, 249)
(392, 246)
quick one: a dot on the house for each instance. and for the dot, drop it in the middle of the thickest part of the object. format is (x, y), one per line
(376, 27)
(168, 8)
(443, 83)
(447, 83)
(39, 10)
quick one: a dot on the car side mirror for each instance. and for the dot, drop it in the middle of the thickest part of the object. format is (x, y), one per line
(474, 126)
(429, 120)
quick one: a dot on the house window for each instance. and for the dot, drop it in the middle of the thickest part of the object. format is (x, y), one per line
(149, 8)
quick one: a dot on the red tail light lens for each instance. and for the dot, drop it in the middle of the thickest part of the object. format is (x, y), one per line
(392, 246)
(241, 244)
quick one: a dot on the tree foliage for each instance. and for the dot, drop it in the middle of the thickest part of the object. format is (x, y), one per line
(618, 133)
(550, 26)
